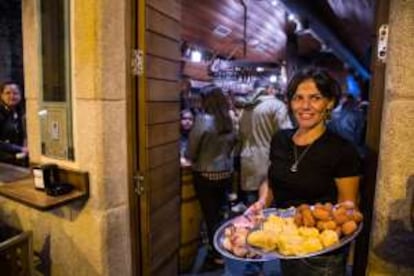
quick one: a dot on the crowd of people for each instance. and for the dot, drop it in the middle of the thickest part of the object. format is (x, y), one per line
(13, 146)
(307, 149)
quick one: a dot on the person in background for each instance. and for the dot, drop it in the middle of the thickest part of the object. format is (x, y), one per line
(12, 131)
(260, 120)
(187, 121)
(261, 117)
(234, 206)
(348, 121)
(311, 164)
(210, 149)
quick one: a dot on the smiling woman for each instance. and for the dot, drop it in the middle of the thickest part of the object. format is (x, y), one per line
(309, 164)
(12, 132)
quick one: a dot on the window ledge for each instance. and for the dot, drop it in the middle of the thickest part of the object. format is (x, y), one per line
(23, 190)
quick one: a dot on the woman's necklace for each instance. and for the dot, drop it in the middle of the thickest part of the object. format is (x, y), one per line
(294, 167)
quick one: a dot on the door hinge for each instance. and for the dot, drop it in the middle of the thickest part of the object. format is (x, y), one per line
(137, 62)
(382, 47)
(139, 184)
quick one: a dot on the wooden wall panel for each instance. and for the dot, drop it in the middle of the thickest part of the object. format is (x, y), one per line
(162, 69)
(162, 112)
(163, 134)
(160, 155)
(162, 46)
(162, 90)
(168, 268)
(163, 63)
(164, 183)
(172, 8)
(159, 23)
(165, 237)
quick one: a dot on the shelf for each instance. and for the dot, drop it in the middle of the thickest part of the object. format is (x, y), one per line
(23, 191)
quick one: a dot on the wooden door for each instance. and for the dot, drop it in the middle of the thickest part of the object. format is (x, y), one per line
(155, 200)
(374, 117)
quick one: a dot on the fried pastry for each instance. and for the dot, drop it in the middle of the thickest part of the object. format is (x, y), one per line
(312, 244)
(329, 238)
(349, 227)
(308, 232)
(263, 239)
(321, 213)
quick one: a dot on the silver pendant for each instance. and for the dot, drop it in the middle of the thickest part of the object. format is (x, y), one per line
(294, 167)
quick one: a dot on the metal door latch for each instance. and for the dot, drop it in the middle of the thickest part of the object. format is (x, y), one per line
(137, 62)
(382, 46)
(139, 184)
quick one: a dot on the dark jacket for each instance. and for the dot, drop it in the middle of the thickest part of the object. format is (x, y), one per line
(12, 132)
(348, 122)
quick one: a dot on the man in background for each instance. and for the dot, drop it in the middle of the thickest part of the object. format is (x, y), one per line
(260, 119)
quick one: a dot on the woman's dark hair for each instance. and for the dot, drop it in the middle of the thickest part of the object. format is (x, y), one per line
(5, 83)
(185, 111)
(326, 84)
(216, 104)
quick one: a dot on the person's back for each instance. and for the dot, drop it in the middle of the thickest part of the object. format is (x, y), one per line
(258, 123)
(210, 150)
(211, 143)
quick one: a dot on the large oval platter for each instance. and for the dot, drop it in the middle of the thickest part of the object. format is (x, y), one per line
(276, 255)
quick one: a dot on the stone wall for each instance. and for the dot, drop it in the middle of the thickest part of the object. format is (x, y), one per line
(392, 239)
(92, 237)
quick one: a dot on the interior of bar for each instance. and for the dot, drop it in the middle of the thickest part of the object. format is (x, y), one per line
(205, 137)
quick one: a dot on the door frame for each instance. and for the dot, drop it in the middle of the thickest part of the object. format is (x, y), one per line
(372, 141)
(136, 154)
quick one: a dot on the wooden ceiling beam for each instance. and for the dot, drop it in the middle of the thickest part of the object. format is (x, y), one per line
(304, 10)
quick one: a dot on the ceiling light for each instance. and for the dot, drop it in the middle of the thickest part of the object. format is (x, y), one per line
(273, 78)
(259, 69)
(221, 31)
(196, 56)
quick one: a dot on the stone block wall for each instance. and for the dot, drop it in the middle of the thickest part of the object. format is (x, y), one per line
(92, 237)
(392, 238)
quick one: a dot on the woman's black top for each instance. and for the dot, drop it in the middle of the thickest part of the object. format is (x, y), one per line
(329, 157)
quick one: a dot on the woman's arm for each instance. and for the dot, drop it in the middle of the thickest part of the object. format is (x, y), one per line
(348, 188)
(265, 198)
(265, 193)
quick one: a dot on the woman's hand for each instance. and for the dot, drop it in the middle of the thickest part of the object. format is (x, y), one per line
(265, 197)
(255, 208)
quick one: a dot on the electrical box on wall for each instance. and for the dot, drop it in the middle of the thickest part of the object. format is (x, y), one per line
(55, 131)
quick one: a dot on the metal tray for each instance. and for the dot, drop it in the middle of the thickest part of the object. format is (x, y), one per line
(263, 256)
(275, 255)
